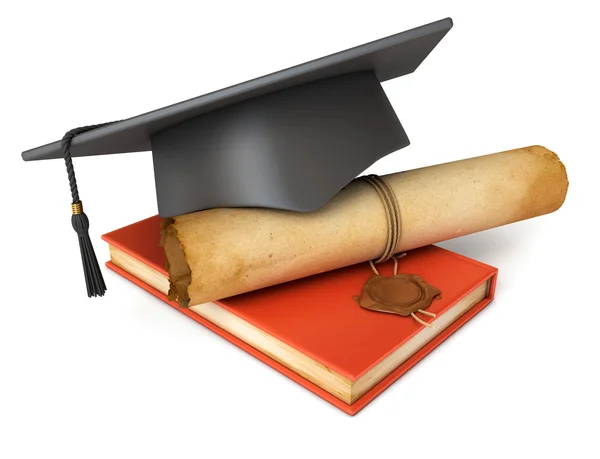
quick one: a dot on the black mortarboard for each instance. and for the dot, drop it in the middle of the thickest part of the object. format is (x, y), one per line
(288, 140)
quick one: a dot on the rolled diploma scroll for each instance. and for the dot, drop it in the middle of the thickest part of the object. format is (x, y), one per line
(218, 253)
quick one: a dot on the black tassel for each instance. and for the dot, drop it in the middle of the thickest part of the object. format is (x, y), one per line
(91, 269)
(93, 276)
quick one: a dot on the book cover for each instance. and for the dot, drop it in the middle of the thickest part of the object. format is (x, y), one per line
(324, 340)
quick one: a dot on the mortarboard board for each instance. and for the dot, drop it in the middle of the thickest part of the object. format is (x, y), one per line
(288, 140)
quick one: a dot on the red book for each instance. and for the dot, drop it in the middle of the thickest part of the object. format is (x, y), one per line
(312, 330)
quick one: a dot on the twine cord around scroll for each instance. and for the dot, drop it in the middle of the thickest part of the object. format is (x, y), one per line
(402, 294)
(392, 213)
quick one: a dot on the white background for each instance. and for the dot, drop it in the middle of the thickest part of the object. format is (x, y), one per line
(126, 376)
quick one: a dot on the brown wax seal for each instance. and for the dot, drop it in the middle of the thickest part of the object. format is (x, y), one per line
(402, 294)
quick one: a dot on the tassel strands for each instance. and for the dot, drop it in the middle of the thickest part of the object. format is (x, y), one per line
(91, 269)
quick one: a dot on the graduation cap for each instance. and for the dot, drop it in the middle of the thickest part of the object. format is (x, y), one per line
(288, 140)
